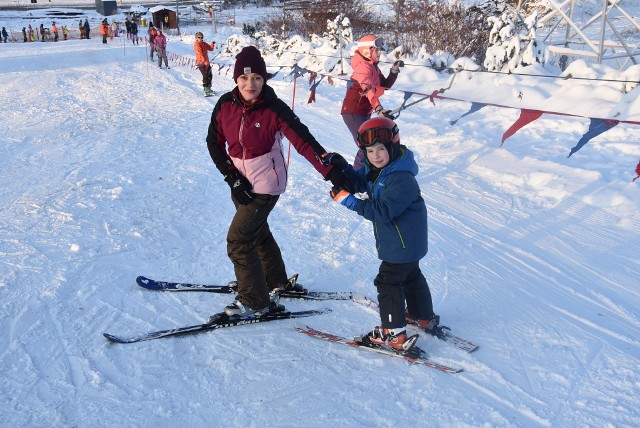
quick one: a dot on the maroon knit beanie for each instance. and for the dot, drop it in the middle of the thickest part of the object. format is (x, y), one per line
(248, 61)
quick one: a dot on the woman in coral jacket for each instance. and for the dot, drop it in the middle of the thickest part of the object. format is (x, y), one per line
(366, 87)
(245, 142)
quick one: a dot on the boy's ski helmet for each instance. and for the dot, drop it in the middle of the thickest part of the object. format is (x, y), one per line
(380, 130)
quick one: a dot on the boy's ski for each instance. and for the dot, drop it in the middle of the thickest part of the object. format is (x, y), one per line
(457, 341)
(151, 284)
(414, 354)
(222, 321)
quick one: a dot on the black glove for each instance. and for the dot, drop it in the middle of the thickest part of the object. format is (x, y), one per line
(240, 186)
(395, 68)
(336, 160)
(339, 180)
(385, 113)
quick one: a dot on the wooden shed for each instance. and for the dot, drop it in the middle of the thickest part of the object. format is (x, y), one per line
(164, 17)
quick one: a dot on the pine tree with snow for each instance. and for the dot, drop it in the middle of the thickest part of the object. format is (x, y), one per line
(339, 31)
(513, 44)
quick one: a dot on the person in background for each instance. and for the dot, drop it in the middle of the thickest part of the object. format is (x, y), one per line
(4, 35)
(244, 141)
(104, 30)
(160, 44)
(202, 61)
(87, 29)
(54, 29)
(152, 35)
(127, 26)
(366, 87)
(65, 32)
(81, 29)
(24, 35)
(134, 32)
(399, 215)
(42, 32)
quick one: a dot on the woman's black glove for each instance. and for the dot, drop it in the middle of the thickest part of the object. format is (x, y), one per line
(240, 186)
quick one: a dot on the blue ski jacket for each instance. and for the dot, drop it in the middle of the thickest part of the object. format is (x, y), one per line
(395, 207)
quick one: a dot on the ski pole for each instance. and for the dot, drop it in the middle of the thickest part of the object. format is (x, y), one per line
(395, 113)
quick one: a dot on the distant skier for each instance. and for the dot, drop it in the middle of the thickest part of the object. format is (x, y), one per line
(104, 30)
(134, 32)
(152, 35)
(160, 44)
(202, 61)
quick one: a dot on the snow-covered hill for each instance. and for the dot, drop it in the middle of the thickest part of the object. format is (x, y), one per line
(106, 176)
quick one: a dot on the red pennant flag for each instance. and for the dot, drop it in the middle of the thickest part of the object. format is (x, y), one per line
(637, 173)
(526, 117)
(312, 96)
(312, 77)
(330, 80)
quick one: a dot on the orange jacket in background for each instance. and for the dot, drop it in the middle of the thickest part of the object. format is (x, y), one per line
(202, 48)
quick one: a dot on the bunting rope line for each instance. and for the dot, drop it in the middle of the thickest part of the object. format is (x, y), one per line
(454, 70)
(597, 125)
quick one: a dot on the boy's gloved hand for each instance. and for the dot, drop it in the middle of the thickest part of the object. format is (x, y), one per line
(338, 179)
(343, 197)
(240, 186)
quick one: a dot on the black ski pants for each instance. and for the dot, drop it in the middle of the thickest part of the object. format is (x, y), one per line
(397, 283)
(254, 252)
(207, 75)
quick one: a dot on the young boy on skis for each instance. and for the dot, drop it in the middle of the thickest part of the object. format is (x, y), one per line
(399, 217)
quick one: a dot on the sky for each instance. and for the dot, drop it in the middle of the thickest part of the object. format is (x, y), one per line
(105, 176)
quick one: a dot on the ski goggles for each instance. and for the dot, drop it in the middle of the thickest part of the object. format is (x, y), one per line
(378, 43)
(371, 136)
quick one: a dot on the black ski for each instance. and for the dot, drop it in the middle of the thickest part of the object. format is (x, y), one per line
(222, 321)
(152, 284)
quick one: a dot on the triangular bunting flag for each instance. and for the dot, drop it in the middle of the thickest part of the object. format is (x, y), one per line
(596, 127)
(526, 117)
(637, 173)
(474, 108)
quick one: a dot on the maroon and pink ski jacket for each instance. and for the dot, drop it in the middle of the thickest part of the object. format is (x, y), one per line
(249, 138)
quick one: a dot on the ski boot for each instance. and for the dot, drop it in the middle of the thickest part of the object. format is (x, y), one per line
(291, 287)
(396, 338)
(431, 326)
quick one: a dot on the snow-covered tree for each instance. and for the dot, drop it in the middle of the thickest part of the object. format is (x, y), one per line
(513, 45)
(339, 30)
